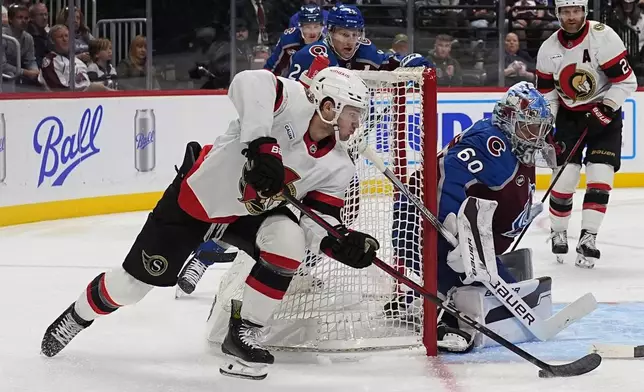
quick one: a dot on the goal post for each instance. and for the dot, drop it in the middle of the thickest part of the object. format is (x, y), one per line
(332, 307)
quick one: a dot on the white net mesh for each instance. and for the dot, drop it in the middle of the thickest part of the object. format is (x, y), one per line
(332, 307)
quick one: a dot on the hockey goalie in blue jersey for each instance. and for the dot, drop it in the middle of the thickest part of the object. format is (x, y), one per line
(344, 44)
(490, 164)
(309, 30)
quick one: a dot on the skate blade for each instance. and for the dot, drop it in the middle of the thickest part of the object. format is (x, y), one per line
(585, 262)
(560, 259)
(180, 293)
(242, 369)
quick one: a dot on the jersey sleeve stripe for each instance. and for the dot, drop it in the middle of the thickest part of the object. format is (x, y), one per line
(621, 77)
(545, 82)
(545, 76)
(325, 204)
(279, 94)
(327, 199)
(614, 61)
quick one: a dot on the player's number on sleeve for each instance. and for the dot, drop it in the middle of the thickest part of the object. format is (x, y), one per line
(624, 64)
(296, 70)
(466, 155)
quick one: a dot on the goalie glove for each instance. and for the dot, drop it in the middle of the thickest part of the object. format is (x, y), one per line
(355, 249)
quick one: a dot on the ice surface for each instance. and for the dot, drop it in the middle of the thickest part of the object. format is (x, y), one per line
(158, 345)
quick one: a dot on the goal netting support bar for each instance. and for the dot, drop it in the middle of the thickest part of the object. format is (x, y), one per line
(332, 307)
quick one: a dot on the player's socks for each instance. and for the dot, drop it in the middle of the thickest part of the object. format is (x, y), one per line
(62, 331)
(248, 359)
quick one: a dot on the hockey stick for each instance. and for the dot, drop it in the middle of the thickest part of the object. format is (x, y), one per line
(581, 366)
(552, 184)
(618, 350)
(542, 329)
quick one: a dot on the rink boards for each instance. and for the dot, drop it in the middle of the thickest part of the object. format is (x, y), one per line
(69, 155)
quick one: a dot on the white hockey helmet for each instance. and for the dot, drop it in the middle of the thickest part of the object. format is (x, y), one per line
(344, 87)
(571, 3)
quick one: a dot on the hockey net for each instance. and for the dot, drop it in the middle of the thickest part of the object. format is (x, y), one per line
(332, 307)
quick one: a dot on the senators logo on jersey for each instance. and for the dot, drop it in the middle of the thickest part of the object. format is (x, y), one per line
(256, 204)
(576, 84)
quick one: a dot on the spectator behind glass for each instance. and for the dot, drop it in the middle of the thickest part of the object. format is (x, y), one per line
(131, 71)
(5, 16)
(82, 34)
(448, 70)
(261, 53)
(56, 66)
(400, 45)
(220, 58)
(27, 71)
(39, 30)
(100, 68)
(631, 14)
(518, 65)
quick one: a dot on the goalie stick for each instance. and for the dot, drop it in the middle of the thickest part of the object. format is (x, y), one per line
(581, 366)
(618, 350)
(543, 329)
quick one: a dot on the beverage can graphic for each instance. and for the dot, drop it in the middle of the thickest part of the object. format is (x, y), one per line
(3, 149)
(144, 140)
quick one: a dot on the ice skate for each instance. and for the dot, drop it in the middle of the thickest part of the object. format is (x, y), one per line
(559, 244)
(587, 252)
(247, 358)
(189, 276)
(62, 331)
(453, 340)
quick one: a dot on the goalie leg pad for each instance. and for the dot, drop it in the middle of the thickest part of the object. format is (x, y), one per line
(518, 264)
(484, 307)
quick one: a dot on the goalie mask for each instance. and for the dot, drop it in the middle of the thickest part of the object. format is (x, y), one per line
(524, 116)
(344, 88)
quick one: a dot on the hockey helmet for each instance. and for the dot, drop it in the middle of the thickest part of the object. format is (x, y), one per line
(345, 16)
(571, 3)
(310, 13)
(523, 115)
(415, 60)
(344, 87)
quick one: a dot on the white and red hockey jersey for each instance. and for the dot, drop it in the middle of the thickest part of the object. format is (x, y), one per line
(582, 72)
(317, 172)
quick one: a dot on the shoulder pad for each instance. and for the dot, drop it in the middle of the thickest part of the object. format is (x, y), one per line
(599, 27)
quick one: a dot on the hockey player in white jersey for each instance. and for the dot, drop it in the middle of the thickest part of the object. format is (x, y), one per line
(287, 139)
(583, 71)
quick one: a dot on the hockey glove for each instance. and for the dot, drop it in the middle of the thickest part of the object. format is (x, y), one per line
(356, 249)
(264, 170)
(598, 118)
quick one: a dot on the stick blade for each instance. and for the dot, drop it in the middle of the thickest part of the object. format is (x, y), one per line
(572, 313)
(618, 350)
(581, 366)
